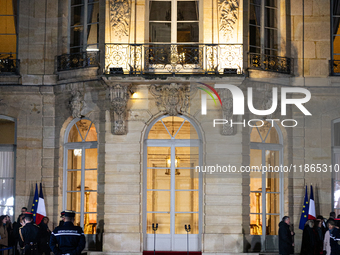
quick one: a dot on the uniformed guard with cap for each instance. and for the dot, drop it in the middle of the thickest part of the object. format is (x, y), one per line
(67, 239)
(62, 216)
(29, 236)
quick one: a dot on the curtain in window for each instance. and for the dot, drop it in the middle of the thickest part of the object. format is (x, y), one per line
(6, 185)
(336, 20)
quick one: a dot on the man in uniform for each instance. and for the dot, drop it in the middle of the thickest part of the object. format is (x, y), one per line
(67, 239)
(62, 216)
(29, 236)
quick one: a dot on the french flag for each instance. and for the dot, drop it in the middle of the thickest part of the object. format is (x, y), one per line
(311, 212)
(41, 211)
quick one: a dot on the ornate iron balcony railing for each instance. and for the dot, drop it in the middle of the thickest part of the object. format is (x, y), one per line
(270, 63)
(174, 58)
(77, 60)
(335, 67)
(9, 66)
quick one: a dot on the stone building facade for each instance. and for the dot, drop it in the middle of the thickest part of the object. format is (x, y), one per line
(97, 98)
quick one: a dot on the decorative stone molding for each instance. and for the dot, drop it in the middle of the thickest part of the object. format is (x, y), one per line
(228, 15)
(120, 16)
(119, 97)
(227, 113)
(173, 98)
(77, 104)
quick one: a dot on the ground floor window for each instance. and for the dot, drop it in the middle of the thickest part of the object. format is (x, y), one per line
(172, 193)
(7, 164)
(336, 165)
(80, 173)
(266, 188)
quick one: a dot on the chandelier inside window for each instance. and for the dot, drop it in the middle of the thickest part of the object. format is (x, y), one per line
(168, 165)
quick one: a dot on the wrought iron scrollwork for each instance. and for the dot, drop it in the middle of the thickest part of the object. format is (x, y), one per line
(174, 58)
(77, 60)
(9, 66)
(270, 63)
(335, 67)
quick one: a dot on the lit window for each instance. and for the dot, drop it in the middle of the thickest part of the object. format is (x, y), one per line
(84, 25)
(335, 30)
(8, 36)
(80, 174)
(336, 166)
(265, 189)
(173, 21)
(7, 163)
(171, 189)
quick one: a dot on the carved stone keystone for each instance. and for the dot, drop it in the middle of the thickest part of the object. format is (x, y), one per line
(77, 104)
(173, 98)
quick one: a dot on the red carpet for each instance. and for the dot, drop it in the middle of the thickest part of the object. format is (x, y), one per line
(172, 253)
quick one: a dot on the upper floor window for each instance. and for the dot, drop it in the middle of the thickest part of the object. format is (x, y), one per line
(263, 27)
(335, 21)
(173, 21)
(8, 35)
(84, 25)
(7, 165)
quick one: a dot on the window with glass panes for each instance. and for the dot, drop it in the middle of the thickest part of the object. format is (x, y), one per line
(336, 166)
(266, 190)
(172, 191)
(263, 26)
(7, 165)
(80, 173)
(8, 29)
(84, 25)
(173, 21)
(335, 21)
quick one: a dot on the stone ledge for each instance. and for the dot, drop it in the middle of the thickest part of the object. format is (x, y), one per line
(9, 79)
(76, 75)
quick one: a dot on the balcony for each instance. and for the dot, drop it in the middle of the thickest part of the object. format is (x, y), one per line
(77, 61)
(9, 66)
(270, 63)
(139, 59)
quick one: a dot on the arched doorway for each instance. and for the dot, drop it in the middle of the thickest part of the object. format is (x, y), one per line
(172, 191)
(80, 174)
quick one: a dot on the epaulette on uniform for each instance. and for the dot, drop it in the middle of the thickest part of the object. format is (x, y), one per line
(36, 225)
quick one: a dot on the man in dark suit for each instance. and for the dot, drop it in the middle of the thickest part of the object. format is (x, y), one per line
(286, 244)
